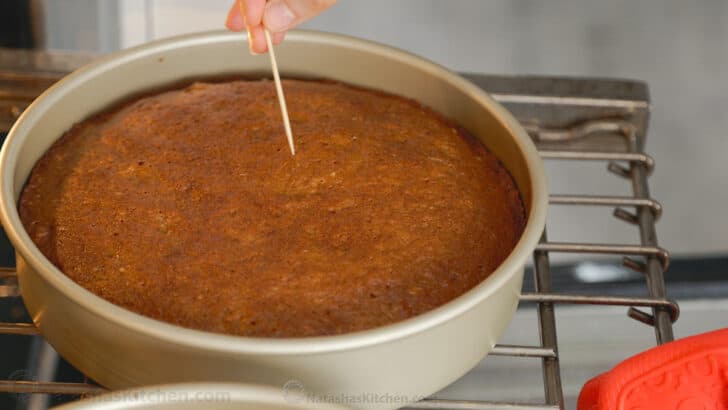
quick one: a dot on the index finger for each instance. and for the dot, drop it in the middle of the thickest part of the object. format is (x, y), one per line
(252, 11)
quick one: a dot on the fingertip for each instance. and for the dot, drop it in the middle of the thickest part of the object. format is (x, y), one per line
(234, 19)
(253, 11)
(235, 25)
(256, 40)
(277, 38)
(279, 16)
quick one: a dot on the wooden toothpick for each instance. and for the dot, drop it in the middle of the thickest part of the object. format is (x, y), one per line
(279, 87)
(279, 90)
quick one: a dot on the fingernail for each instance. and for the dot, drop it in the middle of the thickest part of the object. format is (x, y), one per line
(278, 17)
(250, 44)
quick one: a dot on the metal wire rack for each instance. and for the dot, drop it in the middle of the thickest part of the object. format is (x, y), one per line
(569, 119)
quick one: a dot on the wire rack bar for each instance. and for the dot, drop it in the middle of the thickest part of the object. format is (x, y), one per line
(17, 386)
(8, 283)
(607, 200)
(655, 266)
(633, 157)
(41, 366)
(553, 392)
(572, 101)
(18, 329)
(615, 249)
(8, 273)
(9, 291)
(522, 351)
(576, 132)
(671, 306)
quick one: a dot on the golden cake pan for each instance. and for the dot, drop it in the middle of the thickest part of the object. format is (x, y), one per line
(121, 349)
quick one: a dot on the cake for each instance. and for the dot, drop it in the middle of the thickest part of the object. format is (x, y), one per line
(187, 206)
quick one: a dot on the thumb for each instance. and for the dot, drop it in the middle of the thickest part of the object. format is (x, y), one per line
(281, 15)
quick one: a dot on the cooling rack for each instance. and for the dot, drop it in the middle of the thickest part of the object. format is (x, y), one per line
(570, 119)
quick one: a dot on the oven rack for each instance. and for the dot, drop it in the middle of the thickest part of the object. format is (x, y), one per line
(569, 119)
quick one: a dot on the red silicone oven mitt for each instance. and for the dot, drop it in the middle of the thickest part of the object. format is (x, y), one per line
(688, 374)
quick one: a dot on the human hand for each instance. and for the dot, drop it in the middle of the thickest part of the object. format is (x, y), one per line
(277, 16)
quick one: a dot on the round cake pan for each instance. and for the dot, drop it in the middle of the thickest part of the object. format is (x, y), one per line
(195, 396)
(403, 361)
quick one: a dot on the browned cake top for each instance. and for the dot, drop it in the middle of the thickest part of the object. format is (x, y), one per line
(187, 206)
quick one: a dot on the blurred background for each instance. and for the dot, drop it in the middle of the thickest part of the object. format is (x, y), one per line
(679, 48)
